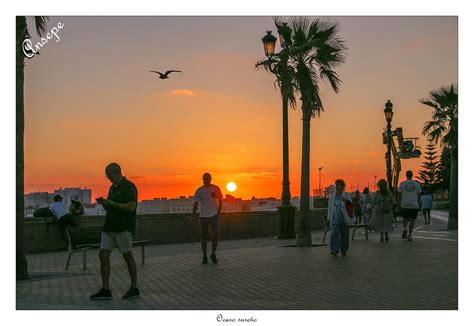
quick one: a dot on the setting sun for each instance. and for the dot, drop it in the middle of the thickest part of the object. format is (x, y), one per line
(231, 186)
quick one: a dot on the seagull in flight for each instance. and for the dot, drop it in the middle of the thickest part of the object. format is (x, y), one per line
(165, 75)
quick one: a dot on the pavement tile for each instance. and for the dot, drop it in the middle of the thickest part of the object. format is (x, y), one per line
(260, 274)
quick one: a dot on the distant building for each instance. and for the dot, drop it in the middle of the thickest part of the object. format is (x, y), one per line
(84, 194)
(94, 210)
(262, 204)
(154, 206)
(181, 205)
(232, 204)
(38, 199)
(178, 205)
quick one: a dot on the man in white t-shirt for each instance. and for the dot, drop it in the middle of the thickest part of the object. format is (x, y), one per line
(409, 201)
(210, 197)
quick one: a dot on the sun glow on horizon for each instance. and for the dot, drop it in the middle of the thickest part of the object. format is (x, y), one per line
(231, 186)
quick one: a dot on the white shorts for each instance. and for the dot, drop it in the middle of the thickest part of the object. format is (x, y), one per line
(122, 240)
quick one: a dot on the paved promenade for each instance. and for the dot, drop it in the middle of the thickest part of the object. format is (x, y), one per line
(264, 274)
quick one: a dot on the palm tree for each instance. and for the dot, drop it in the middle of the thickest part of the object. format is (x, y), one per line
(443, 128)
(21, 34)
(315, 50)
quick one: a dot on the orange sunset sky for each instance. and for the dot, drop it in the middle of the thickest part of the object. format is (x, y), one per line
(90, 100)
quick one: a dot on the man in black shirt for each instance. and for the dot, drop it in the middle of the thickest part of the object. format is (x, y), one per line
(119, 226)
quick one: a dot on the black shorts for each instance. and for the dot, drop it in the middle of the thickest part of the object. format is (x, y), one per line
(409, 213)
(212, 221)
(65, 221)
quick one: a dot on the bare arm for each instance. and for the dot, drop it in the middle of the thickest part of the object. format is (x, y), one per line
(220, 206)
(195, 207)
(129, 207)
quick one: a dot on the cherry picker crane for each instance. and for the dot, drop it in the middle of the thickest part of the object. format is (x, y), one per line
(407, 148)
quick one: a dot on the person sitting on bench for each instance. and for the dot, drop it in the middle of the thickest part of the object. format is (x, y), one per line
(63, 217)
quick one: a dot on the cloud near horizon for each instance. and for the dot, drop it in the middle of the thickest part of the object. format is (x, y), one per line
(182, 92)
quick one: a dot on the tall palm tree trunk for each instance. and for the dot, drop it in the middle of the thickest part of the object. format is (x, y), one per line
(21, 264)
(453, 192)
(304, 235)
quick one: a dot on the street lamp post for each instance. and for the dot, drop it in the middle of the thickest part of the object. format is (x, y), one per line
(320, 192)
(280, 69)
(388, 111)
(375, 183)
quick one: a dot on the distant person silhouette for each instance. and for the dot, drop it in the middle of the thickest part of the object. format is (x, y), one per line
(408, 200)
(366, 205)
(339, 219)
(426, 206)
(357, 208)
(382, 212)
(119, 226)
(210, 197)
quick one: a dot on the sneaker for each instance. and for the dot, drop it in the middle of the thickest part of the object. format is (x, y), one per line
(334, 253)
(214, 259)
(103, 294)
(132, 293)
(409, 237)
(204, 260)
(404, 234)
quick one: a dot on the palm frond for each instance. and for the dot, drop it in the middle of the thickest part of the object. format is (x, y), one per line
(332, 77)
(40, 24)
(443, 125)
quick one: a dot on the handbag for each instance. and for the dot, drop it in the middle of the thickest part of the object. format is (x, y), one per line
(349, 209)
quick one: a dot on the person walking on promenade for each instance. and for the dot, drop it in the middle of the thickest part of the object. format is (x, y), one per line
(210, 197)
(339, 219)
(382, 213)
(119, 226)
(426, 206)
(357, 208)
(366, 205)
(408, 200)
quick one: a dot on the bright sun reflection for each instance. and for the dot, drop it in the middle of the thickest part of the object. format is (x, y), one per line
(231, 186)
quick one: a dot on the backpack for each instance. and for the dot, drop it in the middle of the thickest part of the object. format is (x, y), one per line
(43, 212)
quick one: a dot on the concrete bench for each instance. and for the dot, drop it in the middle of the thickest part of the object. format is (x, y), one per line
(354, 227)
(84, 239)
